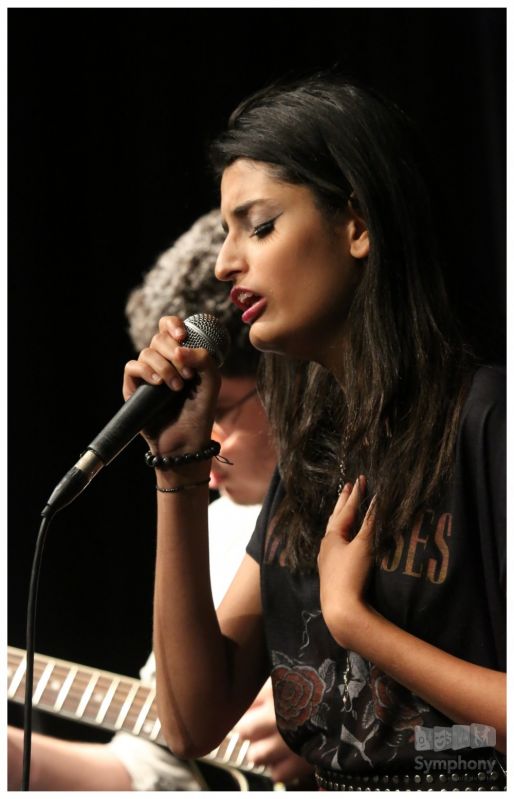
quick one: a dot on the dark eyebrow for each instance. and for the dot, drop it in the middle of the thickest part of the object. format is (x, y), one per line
(240, 211)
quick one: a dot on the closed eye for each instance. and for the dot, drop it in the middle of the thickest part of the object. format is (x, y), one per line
(261, 231)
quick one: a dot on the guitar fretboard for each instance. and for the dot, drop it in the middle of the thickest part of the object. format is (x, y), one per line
(107, 700)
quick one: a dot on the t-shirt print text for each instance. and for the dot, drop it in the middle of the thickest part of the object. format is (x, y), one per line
(425, 553)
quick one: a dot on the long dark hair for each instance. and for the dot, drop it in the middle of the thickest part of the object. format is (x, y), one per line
(394, 416)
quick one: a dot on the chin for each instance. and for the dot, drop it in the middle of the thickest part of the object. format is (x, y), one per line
(238, 497)
(266, 343)
(287, 342)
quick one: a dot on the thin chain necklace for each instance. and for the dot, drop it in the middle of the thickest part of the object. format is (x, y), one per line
(343, 465)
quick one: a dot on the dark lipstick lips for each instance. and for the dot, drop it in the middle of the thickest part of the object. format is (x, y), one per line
(243, 298)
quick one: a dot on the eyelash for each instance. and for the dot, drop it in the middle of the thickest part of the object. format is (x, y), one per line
(261, 231)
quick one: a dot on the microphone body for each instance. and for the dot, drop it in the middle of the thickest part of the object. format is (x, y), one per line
(147, 402)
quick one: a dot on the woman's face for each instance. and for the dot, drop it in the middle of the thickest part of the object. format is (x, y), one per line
(294, 272)
(242, 429)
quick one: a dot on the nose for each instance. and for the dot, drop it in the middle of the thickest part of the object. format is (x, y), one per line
(230, 262)
(226, 439)
(217, 433)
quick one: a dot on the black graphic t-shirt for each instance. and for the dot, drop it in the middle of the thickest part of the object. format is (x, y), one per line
(444, 583)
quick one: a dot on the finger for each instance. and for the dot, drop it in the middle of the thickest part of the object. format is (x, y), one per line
(135, 373)
(290, 769)
(168, 347)
(174, 326)
(368, 521)
(268, 750)
(266, 693)
(341, 502)
(194, 358)
(187, 360)
(351, 506)
(344, 496)
(197, 359)
(170, 371)
(344, 514)
(256, 724)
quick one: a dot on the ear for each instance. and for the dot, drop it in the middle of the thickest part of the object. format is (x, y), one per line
(358, 235)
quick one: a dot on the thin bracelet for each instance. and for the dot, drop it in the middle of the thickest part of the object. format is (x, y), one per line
(182, 487)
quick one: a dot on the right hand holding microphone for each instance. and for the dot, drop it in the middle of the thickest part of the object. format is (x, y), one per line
(166, 361)
(170, 395)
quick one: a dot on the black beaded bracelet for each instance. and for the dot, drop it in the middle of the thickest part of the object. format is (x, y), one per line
(169, 461)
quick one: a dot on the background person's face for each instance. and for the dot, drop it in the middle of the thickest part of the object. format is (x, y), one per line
(242, 429)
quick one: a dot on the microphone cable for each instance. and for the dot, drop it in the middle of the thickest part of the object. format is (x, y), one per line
(203, 330)
(30, 648)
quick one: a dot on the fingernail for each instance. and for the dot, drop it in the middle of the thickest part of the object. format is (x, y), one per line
(178, 332)
(156, 378)
(186, 372)
(176, 384)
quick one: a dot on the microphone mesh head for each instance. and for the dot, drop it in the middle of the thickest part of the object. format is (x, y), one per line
(204, 330)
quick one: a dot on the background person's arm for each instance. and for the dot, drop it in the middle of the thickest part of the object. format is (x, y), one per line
(58, 765)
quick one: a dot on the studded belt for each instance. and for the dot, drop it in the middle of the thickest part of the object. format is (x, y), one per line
(414, 781)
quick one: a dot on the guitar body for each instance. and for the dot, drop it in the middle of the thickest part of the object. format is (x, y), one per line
(223, 778)
(115, 703)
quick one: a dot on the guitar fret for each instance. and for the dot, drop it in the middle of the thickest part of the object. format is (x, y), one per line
(214, 755)
(86, 696)
(42, 683)
(124, 689)
(13, 661)
(233, 738)
(156, 730)
(18, 677)
(134, 712)
(107, 701)
(126, 707)
(220, 751)
(243, 750)
(97, 698)
(144, 712)
(63, 693)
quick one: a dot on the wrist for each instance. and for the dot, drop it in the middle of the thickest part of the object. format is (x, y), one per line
(180, 475)
(351, 625)
(173, 461)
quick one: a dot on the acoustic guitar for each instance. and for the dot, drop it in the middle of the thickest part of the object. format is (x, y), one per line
(114, 703)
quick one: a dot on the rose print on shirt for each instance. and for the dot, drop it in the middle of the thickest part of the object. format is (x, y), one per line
(299, 690)
(393, 704)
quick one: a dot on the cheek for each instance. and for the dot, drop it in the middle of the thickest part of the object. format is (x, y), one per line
(246, 450)
(308, 266)
(237, 448)
(313, 246)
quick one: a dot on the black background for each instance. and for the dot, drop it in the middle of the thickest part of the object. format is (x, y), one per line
(109, 114)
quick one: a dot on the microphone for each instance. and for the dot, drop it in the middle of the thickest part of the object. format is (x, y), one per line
(203, 330)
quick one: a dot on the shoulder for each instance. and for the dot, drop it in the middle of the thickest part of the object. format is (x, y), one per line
(488, 384)
(482, 440)
(269, 507)
(486, 400)
(274, 495)
(230, 521)
(225, 508)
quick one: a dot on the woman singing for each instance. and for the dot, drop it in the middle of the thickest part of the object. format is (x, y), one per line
(373, 589)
